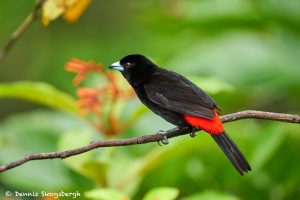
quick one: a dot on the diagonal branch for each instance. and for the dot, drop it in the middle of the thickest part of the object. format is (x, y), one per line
(248, 114)
(21, 29)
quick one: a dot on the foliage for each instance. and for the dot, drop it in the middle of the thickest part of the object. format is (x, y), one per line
(41, 93)
(244, 53)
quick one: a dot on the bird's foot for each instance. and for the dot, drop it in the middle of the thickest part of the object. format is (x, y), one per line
(164, 140)
(193, 132)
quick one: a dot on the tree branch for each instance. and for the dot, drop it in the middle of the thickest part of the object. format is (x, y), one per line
(289, 118)
(21, 29)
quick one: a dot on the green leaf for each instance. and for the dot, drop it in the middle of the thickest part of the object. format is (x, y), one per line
(163, 193)
(140, 168)
(35, 132)
(85, 164)
(106, 194)
(269, 143)
(211, 195)
(73, 139)
(116, 178)
(41, 93)
(159, 155)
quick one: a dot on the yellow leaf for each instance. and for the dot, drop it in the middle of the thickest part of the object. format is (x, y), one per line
(73, 12)
(72, 9)
(51, 10)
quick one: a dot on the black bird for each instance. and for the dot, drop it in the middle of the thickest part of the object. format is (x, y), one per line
(178, 101)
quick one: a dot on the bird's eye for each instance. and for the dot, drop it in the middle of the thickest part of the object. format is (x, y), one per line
(128, 65)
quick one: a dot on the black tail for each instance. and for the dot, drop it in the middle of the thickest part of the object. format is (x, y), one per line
(232, 152)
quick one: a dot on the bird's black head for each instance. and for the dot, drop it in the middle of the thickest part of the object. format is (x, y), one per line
(136, 68)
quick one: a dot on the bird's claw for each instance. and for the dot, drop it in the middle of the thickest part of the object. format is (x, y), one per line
(193, 132)
(164, 139)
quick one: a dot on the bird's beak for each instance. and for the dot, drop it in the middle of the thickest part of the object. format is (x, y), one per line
(116, 66)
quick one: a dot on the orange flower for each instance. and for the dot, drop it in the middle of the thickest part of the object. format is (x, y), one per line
(82, 68)
(89, 101)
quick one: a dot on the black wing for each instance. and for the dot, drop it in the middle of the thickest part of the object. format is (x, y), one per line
(173, 91)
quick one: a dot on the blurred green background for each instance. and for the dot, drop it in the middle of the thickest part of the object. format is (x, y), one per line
(245, 54)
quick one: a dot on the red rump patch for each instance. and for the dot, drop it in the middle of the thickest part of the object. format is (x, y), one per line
(213, 126)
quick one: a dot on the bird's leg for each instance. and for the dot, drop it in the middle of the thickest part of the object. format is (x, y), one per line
(164, 140)
(193, 131)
